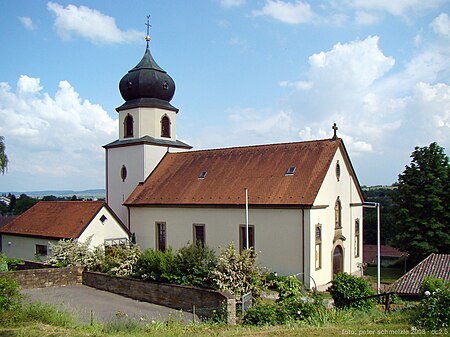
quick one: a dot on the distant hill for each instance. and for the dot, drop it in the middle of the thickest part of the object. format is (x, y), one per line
(94, 193)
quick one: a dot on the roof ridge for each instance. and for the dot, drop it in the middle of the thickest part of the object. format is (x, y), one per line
(243, 147)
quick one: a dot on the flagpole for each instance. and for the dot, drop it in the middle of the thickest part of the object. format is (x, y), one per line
(246, 219)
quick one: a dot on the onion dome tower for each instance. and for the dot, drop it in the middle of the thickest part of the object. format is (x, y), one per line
(147, 130)
(147, 85)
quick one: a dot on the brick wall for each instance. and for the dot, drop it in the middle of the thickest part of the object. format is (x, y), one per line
(48, 277)
(173, 296)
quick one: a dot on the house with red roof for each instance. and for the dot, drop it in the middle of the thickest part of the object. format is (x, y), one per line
(304, 199)
(29, 235)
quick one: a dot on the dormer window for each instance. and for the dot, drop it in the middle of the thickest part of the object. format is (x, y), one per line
(128, 126)
(202, 175)
(165, 127)
(291, 170)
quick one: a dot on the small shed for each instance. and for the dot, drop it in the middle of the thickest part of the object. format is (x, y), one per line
(437, 265)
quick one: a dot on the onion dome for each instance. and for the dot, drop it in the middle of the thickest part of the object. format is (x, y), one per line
(147, 85)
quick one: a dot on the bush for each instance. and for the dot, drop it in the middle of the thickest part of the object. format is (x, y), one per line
(431, 284)
(239, 273)
(193, 265)
(289, 287)
(346, 287)
(263, 314)
(70, 252)
(433, 311)
(155, 265)
(10, 297)
(120, 260)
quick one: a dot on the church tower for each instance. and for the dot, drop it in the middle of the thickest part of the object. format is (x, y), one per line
(147, 130)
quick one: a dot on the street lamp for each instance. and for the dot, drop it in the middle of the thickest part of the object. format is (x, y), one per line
(377, 206)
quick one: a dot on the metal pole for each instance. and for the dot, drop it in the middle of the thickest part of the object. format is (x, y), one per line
(378, 247)
(246, 219)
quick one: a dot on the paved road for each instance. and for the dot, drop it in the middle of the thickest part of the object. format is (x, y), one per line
(106, 306)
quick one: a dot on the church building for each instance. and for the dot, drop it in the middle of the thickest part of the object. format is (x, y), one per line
(305, 210)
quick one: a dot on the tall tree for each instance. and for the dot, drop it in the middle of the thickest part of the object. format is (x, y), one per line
(422, 214)
(3, 157)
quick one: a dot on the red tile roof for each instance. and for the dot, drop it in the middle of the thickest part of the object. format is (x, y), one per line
(261, 169)
(370, 252)
(54, 219)
(437, 265)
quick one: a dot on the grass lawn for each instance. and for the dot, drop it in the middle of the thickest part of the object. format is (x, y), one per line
(387, 275)
(333, 323)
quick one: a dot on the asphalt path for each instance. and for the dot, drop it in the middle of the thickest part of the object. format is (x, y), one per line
(104, 306)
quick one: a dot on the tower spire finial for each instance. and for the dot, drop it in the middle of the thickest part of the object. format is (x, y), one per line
(147, 38)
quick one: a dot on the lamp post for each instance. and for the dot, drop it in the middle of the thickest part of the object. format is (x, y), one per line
(377, 206)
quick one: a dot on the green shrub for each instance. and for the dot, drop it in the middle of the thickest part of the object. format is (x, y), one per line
(433, 311)
(10, 297)
(263, 314)
(289, 287)
(155, 265)
(431, 284)
(346, 287)
(193, 265)
(239, 273)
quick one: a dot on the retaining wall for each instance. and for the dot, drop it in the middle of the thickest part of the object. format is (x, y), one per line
(169, 295)
(48, 277)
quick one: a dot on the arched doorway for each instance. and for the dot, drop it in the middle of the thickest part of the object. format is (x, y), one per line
(338, 260)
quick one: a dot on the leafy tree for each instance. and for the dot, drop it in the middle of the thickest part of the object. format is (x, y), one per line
(23, 203)
(3, 157)
(384, 196)
(422, 215)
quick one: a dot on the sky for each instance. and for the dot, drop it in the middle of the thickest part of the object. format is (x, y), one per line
(246, 72)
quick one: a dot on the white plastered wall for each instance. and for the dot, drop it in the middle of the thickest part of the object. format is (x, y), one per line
(101, 231)
(278, 232)
(139, 160)
(24, 247)
(147, 122)
(347, 191)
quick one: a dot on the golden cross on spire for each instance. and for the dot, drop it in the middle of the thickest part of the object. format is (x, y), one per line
(147, 38)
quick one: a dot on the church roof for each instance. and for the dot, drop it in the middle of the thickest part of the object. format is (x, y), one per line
(218, 177)
(55, 219)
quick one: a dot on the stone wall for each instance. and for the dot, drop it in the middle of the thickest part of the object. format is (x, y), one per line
(48, 277)
(173, 296)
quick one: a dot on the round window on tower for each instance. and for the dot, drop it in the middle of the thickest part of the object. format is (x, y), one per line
(123, 172)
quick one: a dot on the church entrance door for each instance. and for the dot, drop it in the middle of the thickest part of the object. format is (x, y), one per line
(338, 260)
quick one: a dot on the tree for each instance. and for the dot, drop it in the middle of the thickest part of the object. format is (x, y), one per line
(3, 157)
(422, 214)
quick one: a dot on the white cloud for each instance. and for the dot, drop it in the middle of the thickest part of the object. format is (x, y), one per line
(291, 13)
(299, 85)
(363, 18)
(232, 3)
(396, 7)
(56, 138)
(441, 25)
(27, 22)
(90, 24)
(355, 64)
(27, 84)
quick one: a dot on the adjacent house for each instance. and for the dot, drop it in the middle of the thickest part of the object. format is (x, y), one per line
(304, 199)
(388, 255)
(28, 235)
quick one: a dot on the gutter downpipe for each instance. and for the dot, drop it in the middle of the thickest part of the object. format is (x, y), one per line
(303, 246)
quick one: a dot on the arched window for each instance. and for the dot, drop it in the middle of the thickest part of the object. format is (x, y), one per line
(337, 213)
(318, 246)
(165, 126)
(357, 238)
(128, 126)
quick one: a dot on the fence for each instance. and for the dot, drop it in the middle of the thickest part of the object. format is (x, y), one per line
(387, 302)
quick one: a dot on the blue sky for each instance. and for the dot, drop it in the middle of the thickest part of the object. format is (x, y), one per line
(246, 72)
